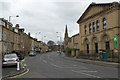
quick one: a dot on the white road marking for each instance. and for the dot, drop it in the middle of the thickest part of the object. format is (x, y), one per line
(56, 65)
(86, 73)
(44, 61)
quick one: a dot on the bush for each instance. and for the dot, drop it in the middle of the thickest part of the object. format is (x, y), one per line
(68, 51)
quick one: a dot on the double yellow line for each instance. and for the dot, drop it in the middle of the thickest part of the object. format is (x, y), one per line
(19, 74)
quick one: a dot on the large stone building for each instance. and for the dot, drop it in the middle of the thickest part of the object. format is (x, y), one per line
(99, 28)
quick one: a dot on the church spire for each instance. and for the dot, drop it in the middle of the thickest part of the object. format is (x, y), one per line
(66, 32)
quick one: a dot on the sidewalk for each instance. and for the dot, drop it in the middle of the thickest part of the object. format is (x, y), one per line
(101, 63)
(10, 71)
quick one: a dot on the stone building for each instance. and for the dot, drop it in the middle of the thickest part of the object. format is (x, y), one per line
(98, 26)
(14, 38)
(99, 29)
(72, 43)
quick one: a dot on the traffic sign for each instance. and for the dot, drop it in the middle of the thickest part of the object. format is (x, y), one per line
(115, 41)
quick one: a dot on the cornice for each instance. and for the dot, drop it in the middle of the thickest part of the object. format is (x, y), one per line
(112, 8)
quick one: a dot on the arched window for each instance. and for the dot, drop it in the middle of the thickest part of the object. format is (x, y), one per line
(104, 23)
(97, 24)
(85, 29)
(93, 26)
(90, 30)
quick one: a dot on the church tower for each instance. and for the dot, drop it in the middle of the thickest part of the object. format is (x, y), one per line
(66, 38)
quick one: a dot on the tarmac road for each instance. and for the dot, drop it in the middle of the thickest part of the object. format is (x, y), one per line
(52, 65)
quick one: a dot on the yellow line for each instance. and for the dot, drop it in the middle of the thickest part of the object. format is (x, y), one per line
(19, 74)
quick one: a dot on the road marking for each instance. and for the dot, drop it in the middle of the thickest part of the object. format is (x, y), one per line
(56, 65)
(20, 74)
(44, 61)
(86, 73)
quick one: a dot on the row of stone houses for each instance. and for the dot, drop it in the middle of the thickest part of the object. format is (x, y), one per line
(99, 29)
(14, 38)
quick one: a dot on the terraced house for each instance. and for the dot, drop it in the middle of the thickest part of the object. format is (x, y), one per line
(14, 38)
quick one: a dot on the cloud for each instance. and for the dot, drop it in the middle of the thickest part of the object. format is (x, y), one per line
(46, 16)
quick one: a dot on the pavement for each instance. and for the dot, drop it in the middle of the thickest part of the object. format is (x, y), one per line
(10, 71)
(52, 65)
(101, 63)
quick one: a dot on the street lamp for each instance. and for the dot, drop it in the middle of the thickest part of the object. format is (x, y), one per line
(44, 39)
(60, 39)
(12, 16)
(9, 29)
(37, 33)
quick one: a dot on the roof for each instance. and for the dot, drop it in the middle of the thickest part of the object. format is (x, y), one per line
(96, 4)
(75, 35)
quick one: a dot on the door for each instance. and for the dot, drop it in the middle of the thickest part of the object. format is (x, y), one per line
(87, 48)
(107, 45)
(96, 48)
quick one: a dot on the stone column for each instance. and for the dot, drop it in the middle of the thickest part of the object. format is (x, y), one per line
(77, 53)
(73, 53)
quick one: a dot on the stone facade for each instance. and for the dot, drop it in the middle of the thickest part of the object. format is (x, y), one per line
(98, 26)
(14, 38)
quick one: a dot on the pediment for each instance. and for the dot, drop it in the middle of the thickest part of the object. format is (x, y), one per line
(92, 10)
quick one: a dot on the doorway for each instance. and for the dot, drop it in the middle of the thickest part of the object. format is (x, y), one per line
(96, 48)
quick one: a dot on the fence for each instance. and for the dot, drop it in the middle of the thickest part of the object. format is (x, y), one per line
(110, 55)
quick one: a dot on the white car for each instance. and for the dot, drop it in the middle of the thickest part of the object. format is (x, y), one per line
(32, 53)
(10, 59)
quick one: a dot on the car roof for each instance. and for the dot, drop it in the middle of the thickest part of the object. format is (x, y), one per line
(11, 54)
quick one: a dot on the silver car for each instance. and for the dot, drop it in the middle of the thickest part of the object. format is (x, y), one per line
(10, 59)
(32, 53)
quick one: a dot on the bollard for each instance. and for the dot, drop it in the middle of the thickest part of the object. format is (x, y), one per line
(18, 65)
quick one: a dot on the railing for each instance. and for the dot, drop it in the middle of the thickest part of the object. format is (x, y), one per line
(110, 56)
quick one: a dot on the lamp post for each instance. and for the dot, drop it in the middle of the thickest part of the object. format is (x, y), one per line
(9, 31)
(60, 39)
(44, 38)
(37, 33)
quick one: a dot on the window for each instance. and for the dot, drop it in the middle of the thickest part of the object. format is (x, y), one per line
(85, 29)
(93, 26)
(4, 36)
(97, 24)
(2, 23)
(104, 23)
(76, 40)
(90, 30)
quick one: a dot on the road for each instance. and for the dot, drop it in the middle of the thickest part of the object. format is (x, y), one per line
(52, 65)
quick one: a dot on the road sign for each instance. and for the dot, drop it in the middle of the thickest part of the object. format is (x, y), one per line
(115, 41)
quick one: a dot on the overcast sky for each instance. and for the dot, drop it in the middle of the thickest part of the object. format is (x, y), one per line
(46, 16)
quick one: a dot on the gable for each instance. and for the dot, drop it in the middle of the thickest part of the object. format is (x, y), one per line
(92, 10)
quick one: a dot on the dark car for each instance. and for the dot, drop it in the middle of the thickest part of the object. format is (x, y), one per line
(19, 53)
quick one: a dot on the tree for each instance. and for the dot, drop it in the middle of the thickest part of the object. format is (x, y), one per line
(50, 43)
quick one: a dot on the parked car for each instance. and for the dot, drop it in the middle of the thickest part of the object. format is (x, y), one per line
(32, 53)
(19, 53)
(10, 59)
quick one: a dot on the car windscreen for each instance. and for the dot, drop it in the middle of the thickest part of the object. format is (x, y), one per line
(11, 56)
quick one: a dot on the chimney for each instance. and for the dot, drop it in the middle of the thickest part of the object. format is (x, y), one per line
(17, 26)
(29, 34)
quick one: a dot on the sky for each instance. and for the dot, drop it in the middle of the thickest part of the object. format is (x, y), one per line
(43, 18)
